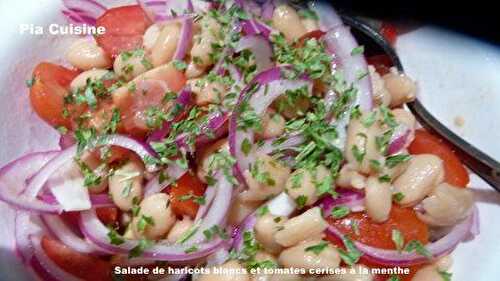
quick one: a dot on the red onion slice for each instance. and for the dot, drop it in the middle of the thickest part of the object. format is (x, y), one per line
(13, 179)
(328, 18)
(261, 49)
(185, 39)
(154, 9)
(97, 200)
(172, 173)
(274, 145)
(215, 215)
(271, 87)
(400, 139)
(267, 10)
(351, 199)
(26, 224)
(247, 225)
(439, 248)
(96, 232)
(44, 266)
(60, 230)
(340, 43)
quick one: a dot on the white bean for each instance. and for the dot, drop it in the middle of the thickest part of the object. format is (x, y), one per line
(179, 229)
(424, 172)
(361, 145)
(273, 125)
(349, 177)
(273, 183)
(263, 257)
(380, 93)
(80, 81)
(447, 205)
(303, 182)
(126, 184)
(205, 158)
(300, 257)
(164, 48)
(308, 224)
(150, 36)
(401, 88)
(378, 199)
(131, 64)
(265, 228)
(310, 24)
(229, 271)
(203, 42)
(286, 20)
(157, 208)
(207, 92)
(194, 71)
(99, 169)
(85, 54)
(240, 209)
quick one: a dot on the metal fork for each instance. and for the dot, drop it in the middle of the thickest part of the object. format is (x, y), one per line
(480, 163)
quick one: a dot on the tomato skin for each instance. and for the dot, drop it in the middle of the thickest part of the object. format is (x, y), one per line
(51, 85)
(425, 142)
(81, 265)
(108, 215)
(187, 184)
(124, 26)
(316, 34)
(379, 234)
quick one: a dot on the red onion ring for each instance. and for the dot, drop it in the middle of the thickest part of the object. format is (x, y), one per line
(400, 139)
(172, 173)
(351, 199)
(328, 17)
(291, 141)
(44, 266)
(185, 39)
(60, 230)
(26, 224)
(97, 200)
(267, 10)
(261, 49)
(340, 43)
(217, 213)
(259, 101)
(96, 232)
(439, 248)
(247, 225)
(13, 179)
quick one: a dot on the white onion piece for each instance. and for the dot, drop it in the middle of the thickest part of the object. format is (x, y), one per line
(281, 205)
(44, 266)
(439, 248)
(68, 188)
(13, 179)
(328, 18)
(261, 49)
(172, 173)
(97, 200)
(97, 233)
(59, 228)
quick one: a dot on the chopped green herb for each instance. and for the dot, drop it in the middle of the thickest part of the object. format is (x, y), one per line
(30, 82)
(339, 212)
(188, 234)
(246, 146)
(446, 276)
(308, 14)
(143, 222)
(393, 161)
(384, 178)
(318, 248)
(301, 201)
(358, 50)
(398, 239)
(417, 247)
(262, 210)
(358, 154)
(351, 255)
(179, 65)
(215, 231)
(398, 197)
(143, 245)
(114, 237)
(191, 249)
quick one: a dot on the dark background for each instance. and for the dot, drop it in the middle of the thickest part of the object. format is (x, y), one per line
(476, 18)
